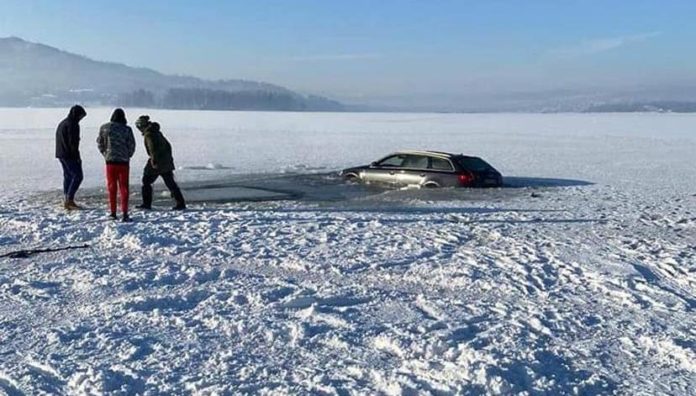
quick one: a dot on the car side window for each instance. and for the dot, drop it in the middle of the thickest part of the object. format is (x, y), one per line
(440, 164)
(415, 162)
(473, 164)
(393, 161)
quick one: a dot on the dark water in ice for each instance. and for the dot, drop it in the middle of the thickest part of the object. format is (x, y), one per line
(328, 189)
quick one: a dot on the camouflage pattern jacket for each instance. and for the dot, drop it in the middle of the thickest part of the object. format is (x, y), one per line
(116, 143)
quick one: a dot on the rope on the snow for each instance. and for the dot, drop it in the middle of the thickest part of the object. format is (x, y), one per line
(30, 252)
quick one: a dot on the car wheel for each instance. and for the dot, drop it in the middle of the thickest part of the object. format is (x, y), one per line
(351, 178)
(431, 185)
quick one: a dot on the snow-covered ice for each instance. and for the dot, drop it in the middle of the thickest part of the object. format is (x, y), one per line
(580, 280)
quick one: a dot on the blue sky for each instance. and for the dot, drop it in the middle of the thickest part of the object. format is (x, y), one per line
(379, 48)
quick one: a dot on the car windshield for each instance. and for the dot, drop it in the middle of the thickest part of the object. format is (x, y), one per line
(392, 161)
(473, 163)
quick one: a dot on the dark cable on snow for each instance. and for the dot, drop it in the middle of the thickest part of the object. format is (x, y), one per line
(30, 252)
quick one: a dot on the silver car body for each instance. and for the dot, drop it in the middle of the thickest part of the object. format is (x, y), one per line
(423, 169)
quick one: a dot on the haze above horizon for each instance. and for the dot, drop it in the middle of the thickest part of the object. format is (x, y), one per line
(406, 51)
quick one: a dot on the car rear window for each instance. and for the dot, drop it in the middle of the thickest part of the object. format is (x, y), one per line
(473, 163)
(440, 164)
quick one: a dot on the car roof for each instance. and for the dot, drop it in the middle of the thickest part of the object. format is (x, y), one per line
(441, 154)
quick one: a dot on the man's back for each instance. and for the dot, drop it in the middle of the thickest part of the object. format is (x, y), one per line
(116, 142)
(68, 139)
(159, 150)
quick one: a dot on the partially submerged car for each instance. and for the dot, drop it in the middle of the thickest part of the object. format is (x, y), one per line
(428, 169)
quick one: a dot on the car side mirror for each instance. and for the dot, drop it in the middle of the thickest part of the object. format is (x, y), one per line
(373, 164)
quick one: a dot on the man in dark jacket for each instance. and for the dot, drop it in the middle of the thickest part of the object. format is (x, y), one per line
(68, 153)
(117, 144)
(159, 164)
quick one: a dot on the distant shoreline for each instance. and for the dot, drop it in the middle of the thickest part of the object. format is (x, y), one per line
(353, 111)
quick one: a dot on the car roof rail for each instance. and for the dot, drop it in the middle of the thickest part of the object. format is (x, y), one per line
(427, 152)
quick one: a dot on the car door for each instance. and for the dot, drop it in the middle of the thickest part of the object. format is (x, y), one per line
(384, 170)
(413, 170)
(441, 172)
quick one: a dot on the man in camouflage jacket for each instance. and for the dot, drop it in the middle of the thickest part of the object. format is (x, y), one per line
(117, 144)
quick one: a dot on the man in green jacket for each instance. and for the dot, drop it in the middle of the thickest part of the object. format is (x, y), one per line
(159, 164)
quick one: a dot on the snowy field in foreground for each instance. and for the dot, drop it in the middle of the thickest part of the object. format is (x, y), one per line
(581, 281)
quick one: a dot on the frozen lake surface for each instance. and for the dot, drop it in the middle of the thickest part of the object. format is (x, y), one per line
(577, 278)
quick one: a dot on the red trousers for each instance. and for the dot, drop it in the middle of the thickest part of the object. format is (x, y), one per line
(117, 179)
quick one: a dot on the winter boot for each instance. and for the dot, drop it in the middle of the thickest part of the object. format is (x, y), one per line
(147, 198)
(126, 218)
(178, 198)
(71, 205)
(112, 216)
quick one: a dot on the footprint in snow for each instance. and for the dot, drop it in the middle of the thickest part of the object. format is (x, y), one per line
(303, 302)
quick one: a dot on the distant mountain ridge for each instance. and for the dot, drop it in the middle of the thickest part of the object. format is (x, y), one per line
(645, 107)
(38, 75)
(33, 74)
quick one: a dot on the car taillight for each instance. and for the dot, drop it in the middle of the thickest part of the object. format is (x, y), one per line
(465, 178)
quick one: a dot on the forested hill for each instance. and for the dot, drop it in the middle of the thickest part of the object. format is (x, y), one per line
(33, 74)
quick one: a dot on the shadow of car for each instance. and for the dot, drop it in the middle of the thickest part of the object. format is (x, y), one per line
(426, 169)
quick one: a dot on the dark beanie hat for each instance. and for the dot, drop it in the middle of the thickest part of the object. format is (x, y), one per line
(142, 122)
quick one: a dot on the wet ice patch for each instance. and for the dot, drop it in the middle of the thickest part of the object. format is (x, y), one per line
(211, 166)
